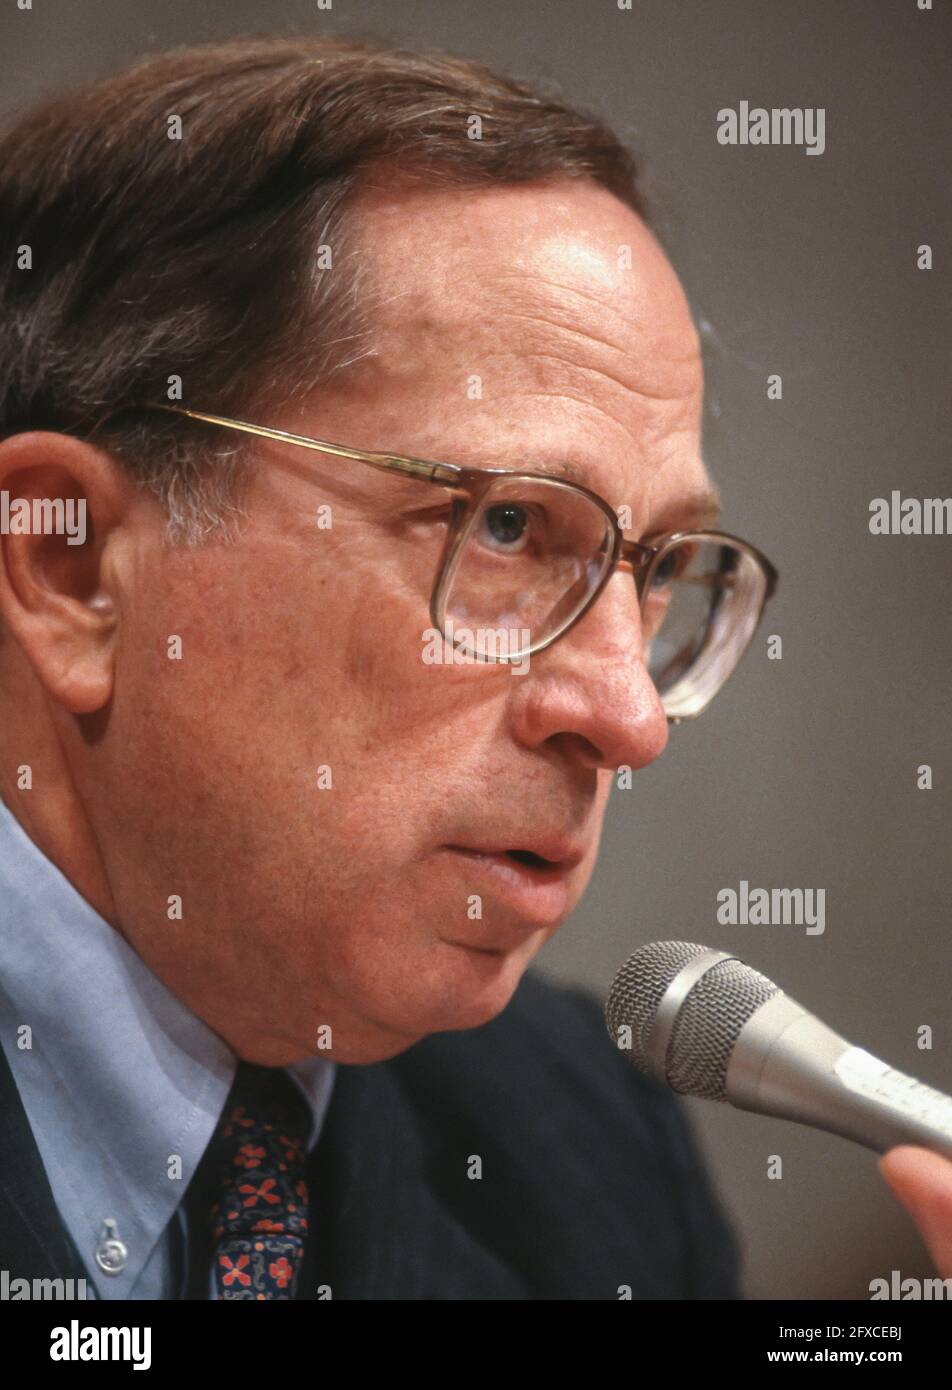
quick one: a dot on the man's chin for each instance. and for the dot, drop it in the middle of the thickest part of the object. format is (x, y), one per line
(463, 987)
(454, 988)
(479, 984)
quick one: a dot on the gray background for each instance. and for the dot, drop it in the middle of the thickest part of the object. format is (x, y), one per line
(805, 774)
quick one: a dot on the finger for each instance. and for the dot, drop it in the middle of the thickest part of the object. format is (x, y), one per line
(922, 1183)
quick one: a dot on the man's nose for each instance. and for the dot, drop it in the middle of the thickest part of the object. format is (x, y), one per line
(590, 692)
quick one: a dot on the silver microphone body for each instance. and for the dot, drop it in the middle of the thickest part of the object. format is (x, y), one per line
(733, 1035)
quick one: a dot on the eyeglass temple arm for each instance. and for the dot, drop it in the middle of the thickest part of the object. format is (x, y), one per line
(632, 553)
(398, 463)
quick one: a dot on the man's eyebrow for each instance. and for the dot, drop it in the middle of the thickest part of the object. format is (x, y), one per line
(567, 469)
(700, 507)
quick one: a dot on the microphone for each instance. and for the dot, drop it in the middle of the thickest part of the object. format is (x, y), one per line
(708, 1025)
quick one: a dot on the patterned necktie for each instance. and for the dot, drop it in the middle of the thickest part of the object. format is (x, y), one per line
(253, 1174)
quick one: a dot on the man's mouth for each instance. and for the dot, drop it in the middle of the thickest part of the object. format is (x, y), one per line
(561, 858)
(530, 859)
(533, 885)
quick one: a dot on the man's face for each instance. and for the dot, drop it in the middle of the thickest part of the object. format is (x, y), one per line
(312, 788)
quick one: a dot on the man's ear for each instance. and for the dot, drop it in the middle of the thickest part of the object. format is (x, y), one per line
(61, 505)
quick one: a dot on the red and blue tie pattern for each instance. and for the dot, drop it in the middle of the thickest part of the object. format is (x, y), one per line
(259, 1216)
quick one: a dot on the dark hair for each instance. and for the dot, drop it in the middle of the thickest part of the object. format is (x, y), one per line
(198, 257)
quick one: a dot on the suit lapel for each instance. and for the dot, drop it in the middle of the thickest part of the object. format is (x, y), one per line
(34, 1243)
(379, 1231)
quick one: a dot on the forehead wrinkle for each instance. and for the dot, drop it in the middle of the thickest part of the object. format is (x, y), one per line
(669, 397)
(695, 501)
(549, 300)
(540, 294)
(651, 435)
(699, 502)
(557, 328)
(654, 371)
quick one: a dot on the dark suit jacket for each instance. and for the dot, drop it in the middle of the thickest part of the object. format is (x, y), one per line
(590, 1183)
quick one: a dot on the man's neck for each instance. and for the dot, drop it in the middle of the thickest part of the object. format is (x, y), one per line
(38, 788)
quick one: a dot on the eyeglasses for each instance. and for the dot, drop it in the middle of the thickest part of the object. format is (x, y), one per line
(526, 555)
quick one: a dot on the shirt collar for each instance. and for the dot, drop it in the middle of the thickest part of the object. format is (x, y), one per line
(122, 1084)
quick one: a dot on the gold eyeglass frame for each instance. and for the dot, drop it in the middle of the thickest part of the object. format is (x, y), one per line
(471, 486)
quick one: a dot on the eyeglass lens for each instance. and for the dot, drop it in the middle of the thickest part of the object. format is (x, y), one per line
(535, 551)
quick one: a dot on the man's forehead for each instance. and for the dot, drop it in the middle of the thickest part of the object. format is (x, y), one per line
(566, 247)
(557, 292)
(547, 319)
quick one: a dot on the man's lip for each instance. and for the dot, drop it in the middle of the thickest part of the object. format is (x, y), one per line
(538, 897)
(559, 856)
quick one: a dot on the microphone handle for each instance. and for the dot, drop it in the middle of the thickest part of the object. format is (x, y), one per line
(787, 1063)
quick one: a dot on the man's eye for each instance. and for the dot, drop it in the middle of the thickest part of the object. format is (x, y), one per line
(672, 566)
(505, 526)
(664, 572)
(669, 568)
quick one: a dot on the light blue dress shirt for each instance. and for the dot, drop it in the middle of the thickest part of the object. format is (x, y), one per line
(120, 1076)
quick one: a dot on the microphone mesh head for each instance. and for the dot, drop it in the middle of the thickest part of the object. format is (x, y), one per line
(708, 1023)
(638, 989)
(708, 1026)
